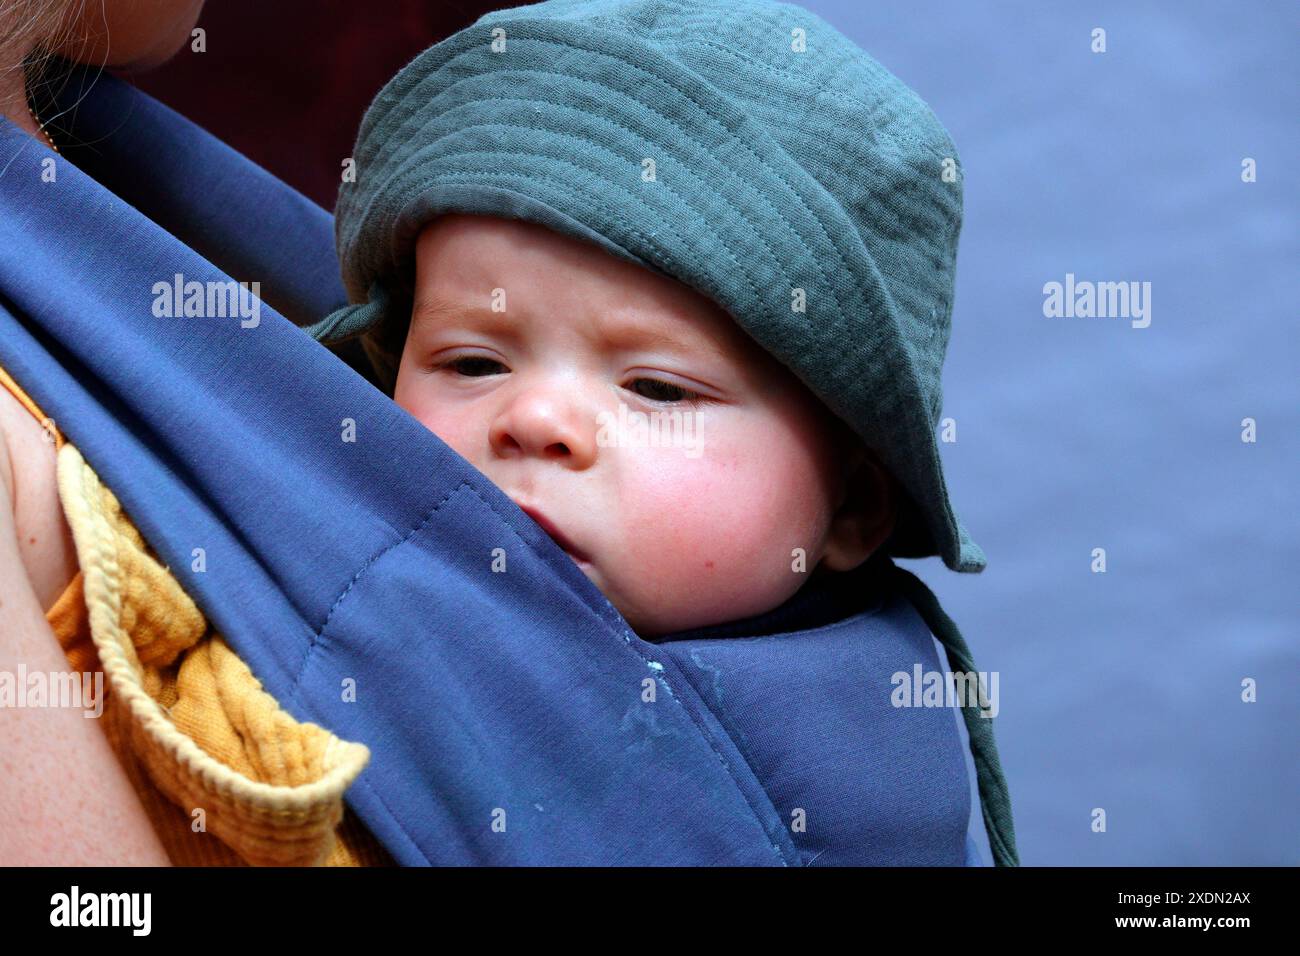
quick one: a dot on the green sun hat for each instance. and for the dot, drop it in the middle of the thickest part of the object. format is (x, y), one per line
(745, 148)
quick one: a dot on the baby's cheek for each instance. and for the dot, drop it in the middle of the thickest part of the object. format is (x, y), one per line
(459, 431)
(715, 533)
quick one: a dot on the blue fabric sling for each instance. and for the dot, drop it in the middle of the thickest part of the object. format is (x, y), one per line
(484, 696)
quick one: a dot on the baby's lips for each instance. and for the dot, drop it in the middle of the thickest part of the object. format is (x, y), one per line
(556, 534)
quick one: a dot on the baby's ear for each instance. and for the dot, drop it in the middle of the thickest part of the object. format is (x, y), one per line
(866, 514)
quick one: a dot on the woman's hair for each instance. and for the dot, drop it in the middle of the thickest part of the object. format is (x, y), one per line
(31, 31)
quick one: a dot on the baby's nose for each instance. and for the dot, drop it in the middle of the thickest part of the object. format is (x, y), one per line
(551, 422)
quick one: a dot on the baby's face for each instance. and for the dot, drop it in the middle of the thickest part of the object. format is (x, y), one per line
(534, 355)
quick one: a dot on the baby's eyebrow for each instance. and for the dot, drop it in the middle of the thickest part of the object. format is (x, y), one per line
(632, 335)
(428, 311)
(430, 314)
(621, 334)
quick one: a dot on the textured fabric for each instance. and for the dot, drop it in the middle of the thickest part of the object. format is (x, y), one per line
(804, 690)
(203, 692)
(505, 713)
(781, 175)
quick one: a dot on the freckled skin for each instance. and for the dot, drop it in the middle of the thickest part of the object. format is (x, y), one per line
(674, 541)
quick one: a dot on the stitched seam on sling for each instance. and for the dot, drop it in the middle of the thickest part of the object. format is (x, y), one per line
(366, 566)
(626, 636)
(601, 612)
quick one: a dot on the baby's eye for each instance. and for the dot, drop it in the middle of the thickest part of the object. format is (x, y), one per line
(474, 366)
(660, 391)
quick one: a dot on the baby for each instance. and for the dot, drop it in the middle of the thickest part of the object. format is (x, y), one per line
(577, 225)
(532, 395)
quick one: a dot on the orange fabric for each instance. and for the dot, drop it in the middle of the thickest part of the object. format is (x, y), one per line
(211, 697)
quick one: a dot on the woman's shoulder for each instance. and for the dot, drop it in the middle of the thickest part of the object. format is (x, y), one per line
(29, 464)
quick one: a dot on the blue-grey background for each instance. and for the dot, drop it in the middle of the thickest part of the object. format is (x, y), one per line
(1123, 690)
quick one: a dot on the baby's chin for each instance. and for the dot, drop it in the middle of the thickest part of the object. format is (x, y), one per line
(645, 623)
(652, 622)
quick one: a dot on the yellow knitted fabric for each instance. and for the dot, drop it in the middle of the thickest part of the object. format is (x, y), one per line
(226, 775)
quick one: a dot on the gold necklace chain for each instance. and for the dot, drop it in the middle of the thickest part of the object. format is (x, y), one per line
(41, 128)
